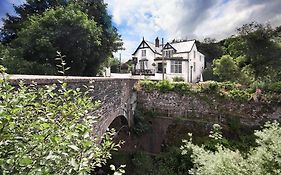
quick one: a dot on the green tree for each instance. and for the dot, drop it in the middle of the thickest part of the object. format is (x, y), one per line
(259, 51)
(68, 30)
(62, 33)
(45, 131)
(226, 69)
(13, 24)
(263, 159)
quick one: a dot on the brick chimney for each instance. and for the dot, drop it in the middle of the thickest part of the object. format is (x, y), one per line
(157, 42)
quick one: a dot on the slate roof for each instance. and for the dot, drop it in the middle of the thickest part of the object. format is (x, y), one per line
(184, 46)
(152, 46)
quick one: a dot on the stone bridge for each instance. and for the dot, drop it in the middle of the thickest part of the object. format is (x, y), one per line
(118, 100)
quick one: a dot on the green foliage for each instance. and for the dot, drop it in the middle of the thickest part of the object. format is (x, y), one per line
(258, 50)
(172, 162)
(148, 85)
(226, 69)
(142, 163)
(164, 86)
(45, 131)
(239, 94)
(141, 124)
(80, 30)
(178, 79)
(68, 30)
(275, 87)
(209, 87)
(216, 138)
(181, 87)
(263, 159)
(210, 48)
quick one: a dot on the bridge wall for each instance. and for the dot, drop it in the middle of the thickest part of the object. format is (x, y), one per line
(116, 96)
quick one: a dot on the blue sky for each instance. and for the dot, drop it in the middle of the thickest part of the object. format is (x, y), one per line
(180, 19)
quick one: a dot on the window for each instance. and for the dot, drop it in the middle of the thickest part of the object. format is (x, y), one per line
(176, 66)
(160, 68)
(194, 53)
(168, 53)
(143, 65)
(143, 53)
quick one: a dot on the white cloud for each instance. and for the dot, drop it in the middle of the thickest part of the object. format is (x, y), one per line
(188, 18)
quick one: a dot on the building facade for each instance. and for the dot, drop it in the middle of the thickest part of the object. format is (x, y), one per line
(176, 59)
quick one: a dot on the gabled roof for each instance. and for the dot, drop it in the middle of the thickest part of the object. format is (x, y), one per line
(166, 46)
(152, 47)
(184, 46)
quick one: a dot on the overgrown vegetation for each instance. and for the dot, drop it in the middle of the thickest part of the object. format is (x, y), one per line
(253, 54)
(229, 90)
(262, 159)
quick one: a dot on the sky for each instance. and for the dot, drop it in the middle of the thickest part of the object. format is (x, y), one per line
(180, 19)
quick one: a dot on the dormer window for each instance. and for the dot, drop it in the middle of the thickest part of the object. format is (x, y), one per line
(143, 53)
(168, 53)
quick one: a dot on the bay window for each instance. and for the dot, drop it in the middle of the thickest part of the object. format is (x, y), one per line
(176, 66)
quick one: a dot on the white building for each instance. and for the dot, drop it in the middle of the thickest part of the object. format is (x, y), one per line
(180, 59)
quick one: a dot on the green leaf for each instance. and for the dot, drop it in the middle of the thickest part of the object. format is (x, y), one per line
(25, 161)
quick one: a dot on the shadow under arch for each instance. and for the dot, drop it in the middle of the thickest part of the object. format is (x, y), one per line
(121, 127)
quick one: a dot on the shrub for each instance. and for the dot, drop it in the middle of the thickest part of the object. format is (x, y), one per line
(239, 95)
(148, 85)
(48, 130)
(209, 86)
(262, 159)
(227, 85)
(164, 86)
(178, 79)
(258, 85)
(275, 87)
(181, 87)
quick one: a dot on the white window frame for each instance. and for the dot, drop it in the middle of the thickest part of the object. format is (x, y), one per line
(176, 66)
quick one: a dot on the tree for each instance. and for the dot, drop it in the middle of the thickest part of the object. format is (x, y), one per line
(45, 131)
(210, 48)
(259, 51)
(97, 49)
(263, 159)
(226, 69)
(68, 30)
(13, 24)
(110, 39)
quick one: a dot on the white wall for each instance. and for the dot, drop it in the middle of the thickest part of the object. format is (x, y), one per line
(149, 56)
(186, 65)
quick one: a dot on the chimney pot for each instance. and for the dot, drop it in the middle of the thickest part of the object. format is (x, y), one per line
(157, 42)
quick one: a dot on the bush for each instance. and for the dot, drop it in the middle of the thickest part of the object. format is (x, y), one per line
(227, 85)
(239, 95)
(45, 131)
(148, 85)
(209, 86)
(178, 79)
(164, 86)
(262, 159)
(181, 87)
(275, 87)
